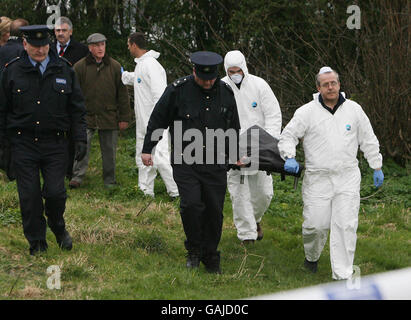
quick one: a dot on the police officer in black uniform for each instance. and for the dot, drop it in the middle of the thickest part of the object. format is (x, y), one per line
(200, 101)
(14, 46)
(40, 102)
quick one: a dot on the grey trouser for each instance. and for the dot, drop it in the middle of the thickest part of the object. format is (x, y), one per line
(108, 146)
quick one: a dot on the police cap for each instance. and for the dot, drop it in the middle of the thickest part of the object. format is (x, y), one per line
(206, 63)
(36, 35)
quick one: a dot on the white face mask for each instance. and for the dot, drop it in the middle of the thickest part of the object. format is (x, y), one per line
(237, 78)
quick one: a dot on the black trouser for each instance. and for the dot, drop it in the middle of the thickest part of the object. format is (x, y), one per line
(202, 191)
(48, 155)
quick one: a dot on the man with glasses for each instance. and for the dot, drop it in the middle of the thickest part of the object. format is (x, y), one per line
(332, 127)
(65, 45)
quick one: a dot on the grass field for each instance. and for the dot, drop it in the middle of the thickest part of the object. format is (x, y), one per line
(125, 247)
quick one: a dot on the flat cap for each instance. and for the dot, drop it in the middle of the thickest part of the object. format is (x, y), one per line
(36, 35)
(95, 38)
(206, 63)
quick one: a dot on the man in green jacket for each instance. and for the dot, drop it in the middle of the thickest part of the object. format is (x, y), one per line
(107, 104)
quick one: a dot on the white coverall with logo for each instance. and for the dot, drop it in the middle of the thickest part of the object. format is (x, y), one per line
(257, 105)
(331, 185)
(149, 80)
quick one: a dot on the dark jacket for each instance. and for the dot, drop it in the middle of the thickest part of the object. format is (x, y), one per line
(195, 108)
(5, 160)
(106, 97)
(74, 52)
(12, 49)
(41, 103)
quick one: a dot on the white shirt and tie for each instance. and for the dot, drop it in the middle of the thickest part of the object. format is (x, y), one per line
(61, 49)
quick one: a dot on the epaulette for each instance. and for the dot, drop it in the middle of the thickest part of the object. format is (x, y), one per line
(228, 87)
(11, 61)
(65, 60)
(180, 81)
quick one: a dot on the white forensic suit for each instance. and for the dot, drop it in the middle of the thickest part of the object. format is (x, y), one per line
(149, 80)
(331, 185)
(257, 105)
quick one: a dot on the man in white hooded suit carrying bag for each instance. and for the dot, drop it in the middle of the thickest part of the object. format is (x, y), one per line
(251, 191)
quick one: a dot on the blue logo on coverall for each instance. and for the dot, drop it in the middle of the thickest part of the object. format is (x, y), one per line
(348, 127)
(254, 104)
(138, 80)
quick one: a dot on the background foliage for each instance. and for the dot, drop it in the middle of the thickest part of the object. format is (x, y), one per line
(128, 247)
(285, 42)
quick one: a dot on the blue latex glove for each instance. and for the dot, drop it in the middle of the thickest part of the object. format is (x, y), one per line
(122, 70)
(291, 165)
(378, 178)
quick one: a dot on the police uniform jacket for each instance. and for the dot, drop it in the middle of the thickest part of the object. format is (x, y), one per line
(12, 49)
(196, 108)
(38, 103)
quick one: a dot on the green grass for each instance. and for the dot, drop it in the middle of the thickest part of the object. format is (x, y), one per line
(122, 251)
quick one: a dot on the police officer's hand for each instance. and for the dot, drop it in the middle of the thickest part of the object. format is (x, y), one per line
(147, 159)
(243, 162)
(3, 141)
(80, 150)
(123, 125)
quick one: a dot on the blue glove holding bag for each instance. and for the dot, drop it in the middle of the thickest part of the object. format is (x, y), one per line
(291, 165)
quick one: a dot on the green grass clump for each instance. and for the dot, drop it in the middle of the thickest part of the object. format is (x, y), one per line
(126, 246)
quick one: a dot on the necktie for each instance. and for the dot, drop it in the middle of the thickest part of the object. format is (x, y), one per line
(61, 52)
(38, 64)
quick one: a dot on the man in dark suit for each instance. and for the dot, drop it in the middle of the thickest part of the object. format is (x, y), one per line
(65, 45)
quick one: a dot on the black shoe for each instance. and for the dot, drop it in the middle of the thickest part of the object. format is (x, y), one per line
(173, 198)
(37, 246)
(111, 186)
(311, 266)
(74, 184)
(193, 260)
(212, 262)
(64, 241)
